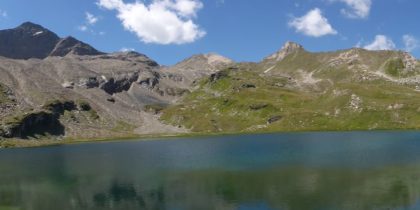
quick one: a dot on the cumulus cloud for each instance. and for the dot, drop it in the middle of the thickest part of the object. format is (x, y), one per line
(381, 42)
(410, 42)
(357, 8)
(161, 21)
(313, 24)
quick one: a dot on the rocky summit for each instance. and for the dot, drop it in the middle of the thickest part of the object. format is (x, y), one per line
(30, 40)
(56, 89)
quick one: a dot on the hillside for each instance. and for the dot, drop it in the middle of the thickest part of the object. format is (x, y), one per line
(296, 90)
(63, 89)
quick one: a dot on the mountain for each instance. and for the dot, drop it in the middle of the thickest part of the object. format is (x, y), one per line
(70, 45)
(26, 41)
(59, 89)
(288, 48)
(30, 40)
(297, 90)
(198, 66)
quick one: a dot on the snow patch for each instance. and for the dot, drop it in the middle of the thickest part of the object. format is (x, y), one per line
(37, 33)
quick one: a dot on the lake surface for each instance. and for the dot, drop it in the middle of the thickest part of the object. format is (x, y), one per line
(354, 170)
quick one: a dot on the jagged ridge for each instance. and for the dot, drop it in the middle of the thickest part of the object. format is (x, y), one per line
(31, 40)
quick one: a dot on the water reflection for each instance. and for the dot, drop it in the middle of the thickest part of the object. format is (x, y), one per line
(244, 175)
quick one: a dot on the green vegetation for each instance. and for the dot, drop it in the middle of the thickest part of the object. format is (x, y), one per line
(394, 67)
(225, 105)
(122, 126)
(154, 108)
(3, 94)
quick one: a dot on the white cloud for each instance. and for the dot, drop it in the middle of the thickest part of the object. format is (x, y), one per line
(410, 43)
(91, 19)
(381, 42)
(161, 21)
(358, 8)
(313, 24)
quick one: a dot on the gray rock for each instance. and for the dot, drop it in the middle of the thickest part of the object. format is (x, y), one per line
(30, 40)
(70, 45)
(274, 119)
(26, 41)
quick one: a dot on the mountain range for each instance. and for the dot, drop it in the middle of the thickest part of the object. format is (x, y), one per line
(56, 89)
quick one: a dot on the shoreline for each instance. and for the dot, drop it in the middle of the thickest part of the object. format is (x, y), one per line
(37, 143)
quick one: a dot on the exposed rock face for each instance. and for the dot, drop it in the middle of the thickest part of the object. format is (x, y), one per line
(120, 83)
(196, 67)
(148, 79)
(287, 49)
(70, 45)
(274, 119)
(131, 56)
(218, 75)
(33, 124)
(59, 107)
(30, 40)
(7, 101)
(27, 41)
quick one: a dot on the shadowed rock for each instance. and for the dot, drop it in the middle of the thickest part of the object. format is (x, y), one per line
(30, 40)
(26, 41)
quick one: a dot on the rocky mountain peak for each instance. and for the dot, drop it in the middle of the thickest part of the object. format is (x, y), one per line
(30, 40)
(198, 66)
(71, 45)
(30, 26)
(287, 49)
(26, 41)
(216, 59)
(211, 59)
(291, 47)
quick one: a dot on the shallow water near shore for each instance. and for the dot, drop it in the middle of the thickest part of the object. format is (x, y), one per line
(332, 170)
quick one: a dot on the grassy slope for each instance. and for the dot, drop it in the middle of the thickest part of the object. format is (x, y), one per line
(224, 106)
(3, 96)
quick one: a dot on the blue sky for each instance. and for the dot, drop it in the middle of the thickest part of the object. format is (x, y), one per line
(172, 30)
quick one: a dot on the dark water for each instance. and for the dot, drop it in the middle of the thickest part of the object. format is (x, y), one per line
(373, 170)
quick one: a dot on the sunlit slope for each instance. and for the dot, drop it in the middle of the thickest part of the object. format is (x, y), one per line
(295, 90)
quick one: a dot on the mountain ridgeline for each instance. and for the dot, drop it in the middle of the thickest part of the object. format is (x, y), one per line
(61, 89)
(30, 40)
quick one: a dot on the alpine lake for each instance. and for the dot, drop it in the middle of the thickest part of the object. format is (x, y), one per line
(320, 171)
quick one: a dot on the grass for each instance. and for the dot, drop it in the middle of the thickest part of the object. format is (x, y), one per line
(223, 106)
(394, 67)
(3, 96)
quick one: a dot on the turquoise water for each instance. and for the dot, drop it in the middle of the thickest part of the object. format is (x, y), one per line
(354, 170)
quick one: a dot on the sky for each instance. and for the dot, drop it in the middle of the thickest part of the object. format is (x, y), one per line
(169, 31)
